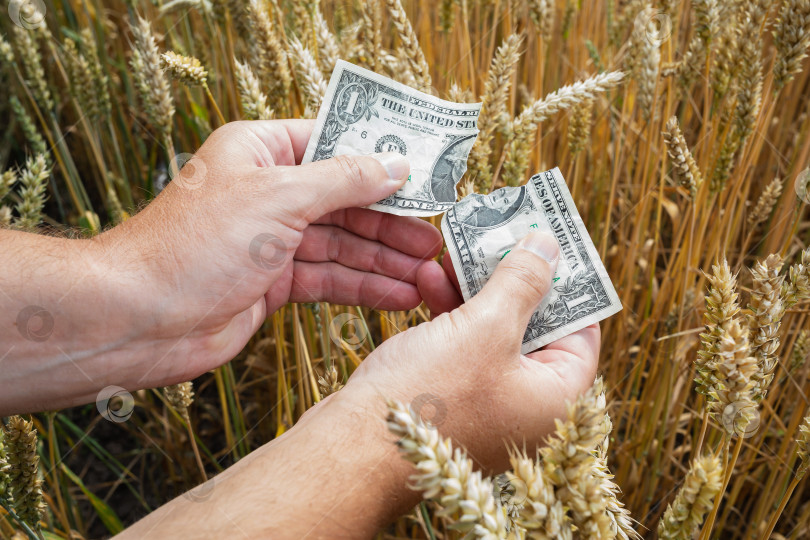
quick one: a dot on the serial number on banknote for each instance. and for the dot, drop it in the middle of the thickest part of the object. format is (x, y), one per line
(365, 113)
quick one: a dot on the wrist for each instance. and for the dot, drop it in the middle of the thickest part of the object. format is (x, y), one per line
(347, 436)
(67, 326)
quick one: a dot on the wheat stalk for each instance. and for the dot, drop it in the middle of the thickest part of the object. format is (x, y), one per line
(767, 310)
(721, 308)
(33, 180)
(524, 126)
(493, 108)
(412, 52)
(791, 36)
(22, 469)
(310, 75)
(693, 501)
(153, 86)
(685, 169)
(446, 475)
(254, 101)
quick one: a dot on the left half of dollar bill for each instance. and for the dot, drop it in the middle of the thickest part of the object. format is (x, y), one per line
(365, 113)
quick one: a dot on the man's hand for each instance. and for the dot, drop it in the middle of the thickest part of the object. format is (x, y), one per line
(337, 472)
(244, 231)
(179, 288)
(465, 369)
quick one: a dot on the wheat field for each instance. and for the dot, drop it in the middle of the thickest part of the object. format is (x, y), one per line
(682, 129)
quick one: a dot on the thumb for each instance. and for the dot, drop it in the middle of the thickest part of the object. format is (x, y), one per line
(522, 278)
(342, 182)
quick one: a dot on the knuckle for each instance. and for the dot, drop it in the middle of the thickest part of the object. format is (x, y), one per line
(230, 129)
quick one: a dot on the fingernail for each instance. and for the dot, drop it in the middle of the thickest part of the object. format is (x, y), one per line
(542, 244)
(396, 165)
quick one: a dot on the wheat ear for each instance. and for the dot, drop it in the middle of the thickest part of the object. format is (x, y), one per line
(496, 91)
(693, 501)
(684, 167)
(410, 45)
(446, 475)
(23, 469)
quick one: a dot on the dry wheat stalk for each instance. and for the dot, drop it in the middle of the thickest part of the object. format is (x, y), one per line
(767, 310)
(692, 63)
(5, 487)
(253, 100)
(801, 350)
(370, 38)
(410, 45)
(6, 51)
(571, 458)
(523, 127)
(684, 167)
(792, 38)
(693, 501)
(7, 180)
(803, 447)
(33, 180)
(797, 288)
(542, 15)
(721, 308)
(749, 94)
(310, 76)
(765, 204)
(459, 94)
(82, 85)
(152, 84)
(446, 475)
(732, 394)
(647, 58)
(100, 78)
(24, 480)
(29, 129)
(447, 14)
(186, 69)
(328, 48)
(180, 396)
(31, 59)
(622, 522)
(706, 19)
(329, 382)
(496, 91)
(268, 54)
(542, 514)
(579, 126)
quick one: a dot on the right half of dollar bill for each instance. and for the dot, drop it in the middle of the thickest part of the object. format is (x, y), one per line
(480, 230)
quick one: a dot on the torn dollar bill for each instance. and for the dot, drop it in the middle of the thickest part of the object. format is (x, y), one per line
(480, 230)
(365, 113)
